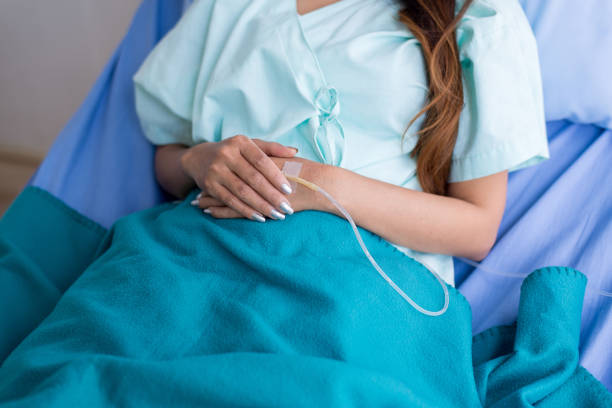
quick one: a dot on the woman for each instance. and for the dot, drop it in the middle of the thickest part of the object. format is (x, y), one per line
(446, 197)
(186, 308)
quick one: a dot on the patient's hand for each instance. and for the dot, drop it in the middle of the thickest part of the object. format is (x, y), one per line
(301, 199)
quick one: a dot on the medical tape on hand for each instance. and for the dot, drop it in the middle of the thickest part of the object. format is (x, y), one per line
(292, 172)
(293, 169)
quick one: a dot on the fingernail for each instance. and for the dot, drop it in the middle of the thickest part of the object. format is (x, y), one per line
(277, 215)
(207, 211)
(199, 196)
(286, 208)
(258, 217)
(286, 188)
(195, 202)
(294, 148)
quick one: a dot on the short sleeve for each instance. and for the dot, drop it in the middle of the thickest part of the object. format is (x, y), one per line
(165, 83)
(502, 125)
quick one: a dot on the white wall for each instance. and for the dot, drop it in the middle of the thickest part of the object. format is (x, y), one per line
(51, 52)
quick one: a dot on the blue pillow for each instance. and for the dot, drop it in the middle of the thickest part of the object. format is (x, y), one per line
(575, 47)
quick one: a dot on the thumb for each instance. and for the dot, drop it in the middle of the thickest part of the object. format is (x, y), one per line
(275, 149)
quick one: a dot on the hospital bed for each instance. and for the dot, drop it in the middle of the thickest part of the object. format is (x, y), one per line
(557, 213)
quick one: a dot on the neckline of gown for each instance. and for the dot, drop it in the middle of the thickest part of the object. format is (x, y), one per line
(321, 10)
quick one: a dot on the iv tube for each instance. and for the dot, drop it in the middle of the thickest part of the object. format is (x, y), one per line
(292, 170)
(348, 217)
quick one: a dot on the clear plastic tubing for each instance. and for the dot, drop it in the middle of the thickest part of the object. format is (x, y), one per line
(295, 169)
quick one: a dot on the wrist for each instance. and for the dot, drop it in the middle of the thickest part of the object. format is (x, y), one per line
(322, 175)
(187, 163)
(188, 166)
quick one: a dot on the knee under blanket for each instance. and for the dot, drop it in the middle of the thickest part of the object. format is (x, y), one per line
(181, 309)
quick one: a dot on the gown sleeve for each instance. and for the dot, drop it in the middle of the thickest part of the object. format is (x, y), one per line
(502, 125)
(165, 83)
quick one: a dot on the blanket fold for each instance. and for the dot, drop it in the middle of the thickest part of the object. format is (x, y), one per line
(540, 353)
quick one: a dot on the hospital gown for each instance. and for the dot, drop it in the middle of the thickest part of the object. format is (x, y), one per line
(342, 83)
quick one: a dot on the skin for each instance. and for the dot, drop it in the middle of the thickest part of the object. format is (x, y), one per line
(240, 176)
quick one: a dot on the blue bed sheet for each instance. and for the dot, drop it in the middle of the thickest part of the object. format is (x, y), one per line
(88, 163)
(558, 213)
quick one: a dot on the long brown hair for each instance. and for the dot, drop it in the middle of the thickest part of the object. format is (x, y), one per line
(433, 23)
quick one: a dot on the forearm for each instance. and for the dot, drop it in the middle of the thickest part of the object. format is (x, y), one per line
(169, 170)
(421, 221)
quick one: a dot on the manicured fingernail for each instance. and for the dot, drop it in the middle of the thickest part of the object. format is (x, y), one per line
(286, 188)
(206, 210)
(277, 215)
(195, 202)
(286, 208)
(199, 196)
(258, 217)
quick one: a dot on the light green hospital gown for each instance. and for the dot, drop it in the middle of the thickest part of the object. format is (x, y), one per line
(341, 83)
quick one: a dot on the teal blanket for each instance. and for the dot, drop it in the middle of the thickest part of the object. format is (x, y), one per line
(177, 308)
